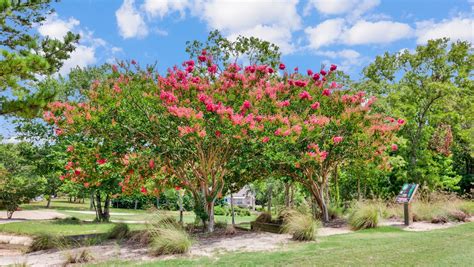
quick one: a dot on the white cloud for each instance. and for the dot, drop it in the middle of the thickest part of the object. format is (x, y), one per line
(346, 59)
(455, 29)
(130, 22)
(56, 28)
(86, 51)
(337, 7)
(380, 32)
(277, 35)
(326, 33)
(161, 8)
(82, 56)
(338, 31)
(239, 15)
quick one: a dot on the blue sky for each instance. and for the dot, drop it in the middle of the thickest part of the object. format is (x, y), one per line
(349, 33)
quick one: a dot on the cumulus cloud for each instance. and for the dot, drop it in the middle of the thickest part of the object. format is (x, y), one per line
(380, 32)
(455, 29)
(338, 31)
(130, 21)
(162, 8)
(326, 33)
(56, 28)
(338, 7)
(86, 51)
(346, 59)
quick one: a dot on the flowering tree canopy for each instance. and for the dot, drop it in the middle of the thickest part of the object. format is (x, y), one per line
(195, 126)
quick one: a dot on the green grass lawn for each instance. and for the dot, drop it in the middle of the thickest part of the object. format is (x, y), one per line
(77, 210)
(377, 247)
(54, 228)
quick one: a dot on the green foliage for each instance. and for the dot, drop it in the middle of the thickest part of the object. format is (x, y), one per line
(25, 56)
(18, 181)
(301, 226)
(364, 215)
(224, 51)
(432, 88)
(220, 210)
(119, 231)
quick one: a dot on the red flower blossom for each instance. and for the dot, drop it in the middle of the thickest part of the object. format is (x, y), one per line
(315, 105)
(310, 72)
(70, 149)
(143, 190)
(270, 70)
(282, 66)
(337, 139)
(316, 76)
(101, 161)
(77, 171)
(265, 139)
(218, 133)
(401, 121)
(394, 147)
(323, 72)
(305, 95)
(151, 164)
(333, 67)
(177, 188)
(326, 92)
(86, 185)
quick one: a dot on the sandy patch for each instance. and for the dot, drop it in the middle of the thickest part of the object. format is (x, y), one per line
(93, 212)
(249, 241)
(31, 215)
(327, 231)
(422, 226)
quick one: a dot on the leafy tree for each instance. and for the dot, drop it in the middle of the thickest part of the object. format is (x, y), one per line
(26, 56)
(221, 52)
(18, 180)
(432, 88)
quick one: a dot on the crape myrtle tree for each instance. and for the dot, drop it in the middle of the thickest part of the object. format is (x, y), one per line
(24, 56)
(432, 88)
(317, 126)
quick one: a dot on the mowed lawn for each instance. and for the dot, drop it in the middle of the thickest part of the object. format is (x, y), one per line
(385, 246)
(134, 218)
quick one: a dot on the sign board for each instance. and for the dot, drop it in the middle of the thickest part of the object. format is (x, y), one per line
(407, 193)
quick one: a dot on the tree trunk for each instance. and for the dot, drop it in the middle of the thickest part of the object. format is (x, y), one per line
(210, 212)
(269, 204)
(157, 202)
(102, 215)
(180, 208)
(10, 214)
(136, 204)
(48, 204)
(232, 208)
(92, 204)
(324, 209)
(287, 195)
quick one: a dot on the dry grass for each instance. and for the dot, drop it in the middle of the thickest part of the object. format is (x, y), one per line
(365, 214)
(81, 256)
(302, 226)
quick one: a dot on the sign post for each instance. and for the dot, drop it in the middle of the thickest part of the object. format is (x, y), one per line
(405, 196)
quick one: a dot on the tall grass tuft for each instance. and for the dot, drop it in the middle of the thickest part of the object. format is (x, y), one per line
(119, 231)
(169, 239)
(301, 226)
(46, 241)
(364, 215)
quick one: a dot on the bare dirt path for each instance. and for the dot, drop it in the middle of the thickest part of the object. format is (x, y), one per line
(23, 215)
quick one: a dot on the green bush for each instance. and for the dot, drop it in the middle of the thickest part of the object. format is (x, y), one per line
(119, 231)
(68, 220)
(220, 210)
(301, 226)
(364, 215)
(166, 238)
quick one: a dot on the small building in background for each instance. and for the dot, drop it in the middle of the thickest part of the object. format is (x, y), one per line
(245, 198)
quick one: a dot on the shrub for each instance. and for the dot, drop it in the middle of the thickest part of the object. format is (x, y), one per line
(219, 210)
(264, 217)
(302, 226)
(220, 224)
(119, 231)
(364, 215)
(46, 241)
(169, 239)
(335, 212)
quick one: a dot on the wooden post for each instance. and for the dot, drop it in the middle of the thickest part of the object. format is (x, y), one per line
(406, 213)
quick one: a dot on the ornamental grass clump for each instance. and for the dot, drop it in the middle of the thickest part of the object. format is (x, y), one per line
(301, 226)
(167, 237)
(119, 231)
(364, 215)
